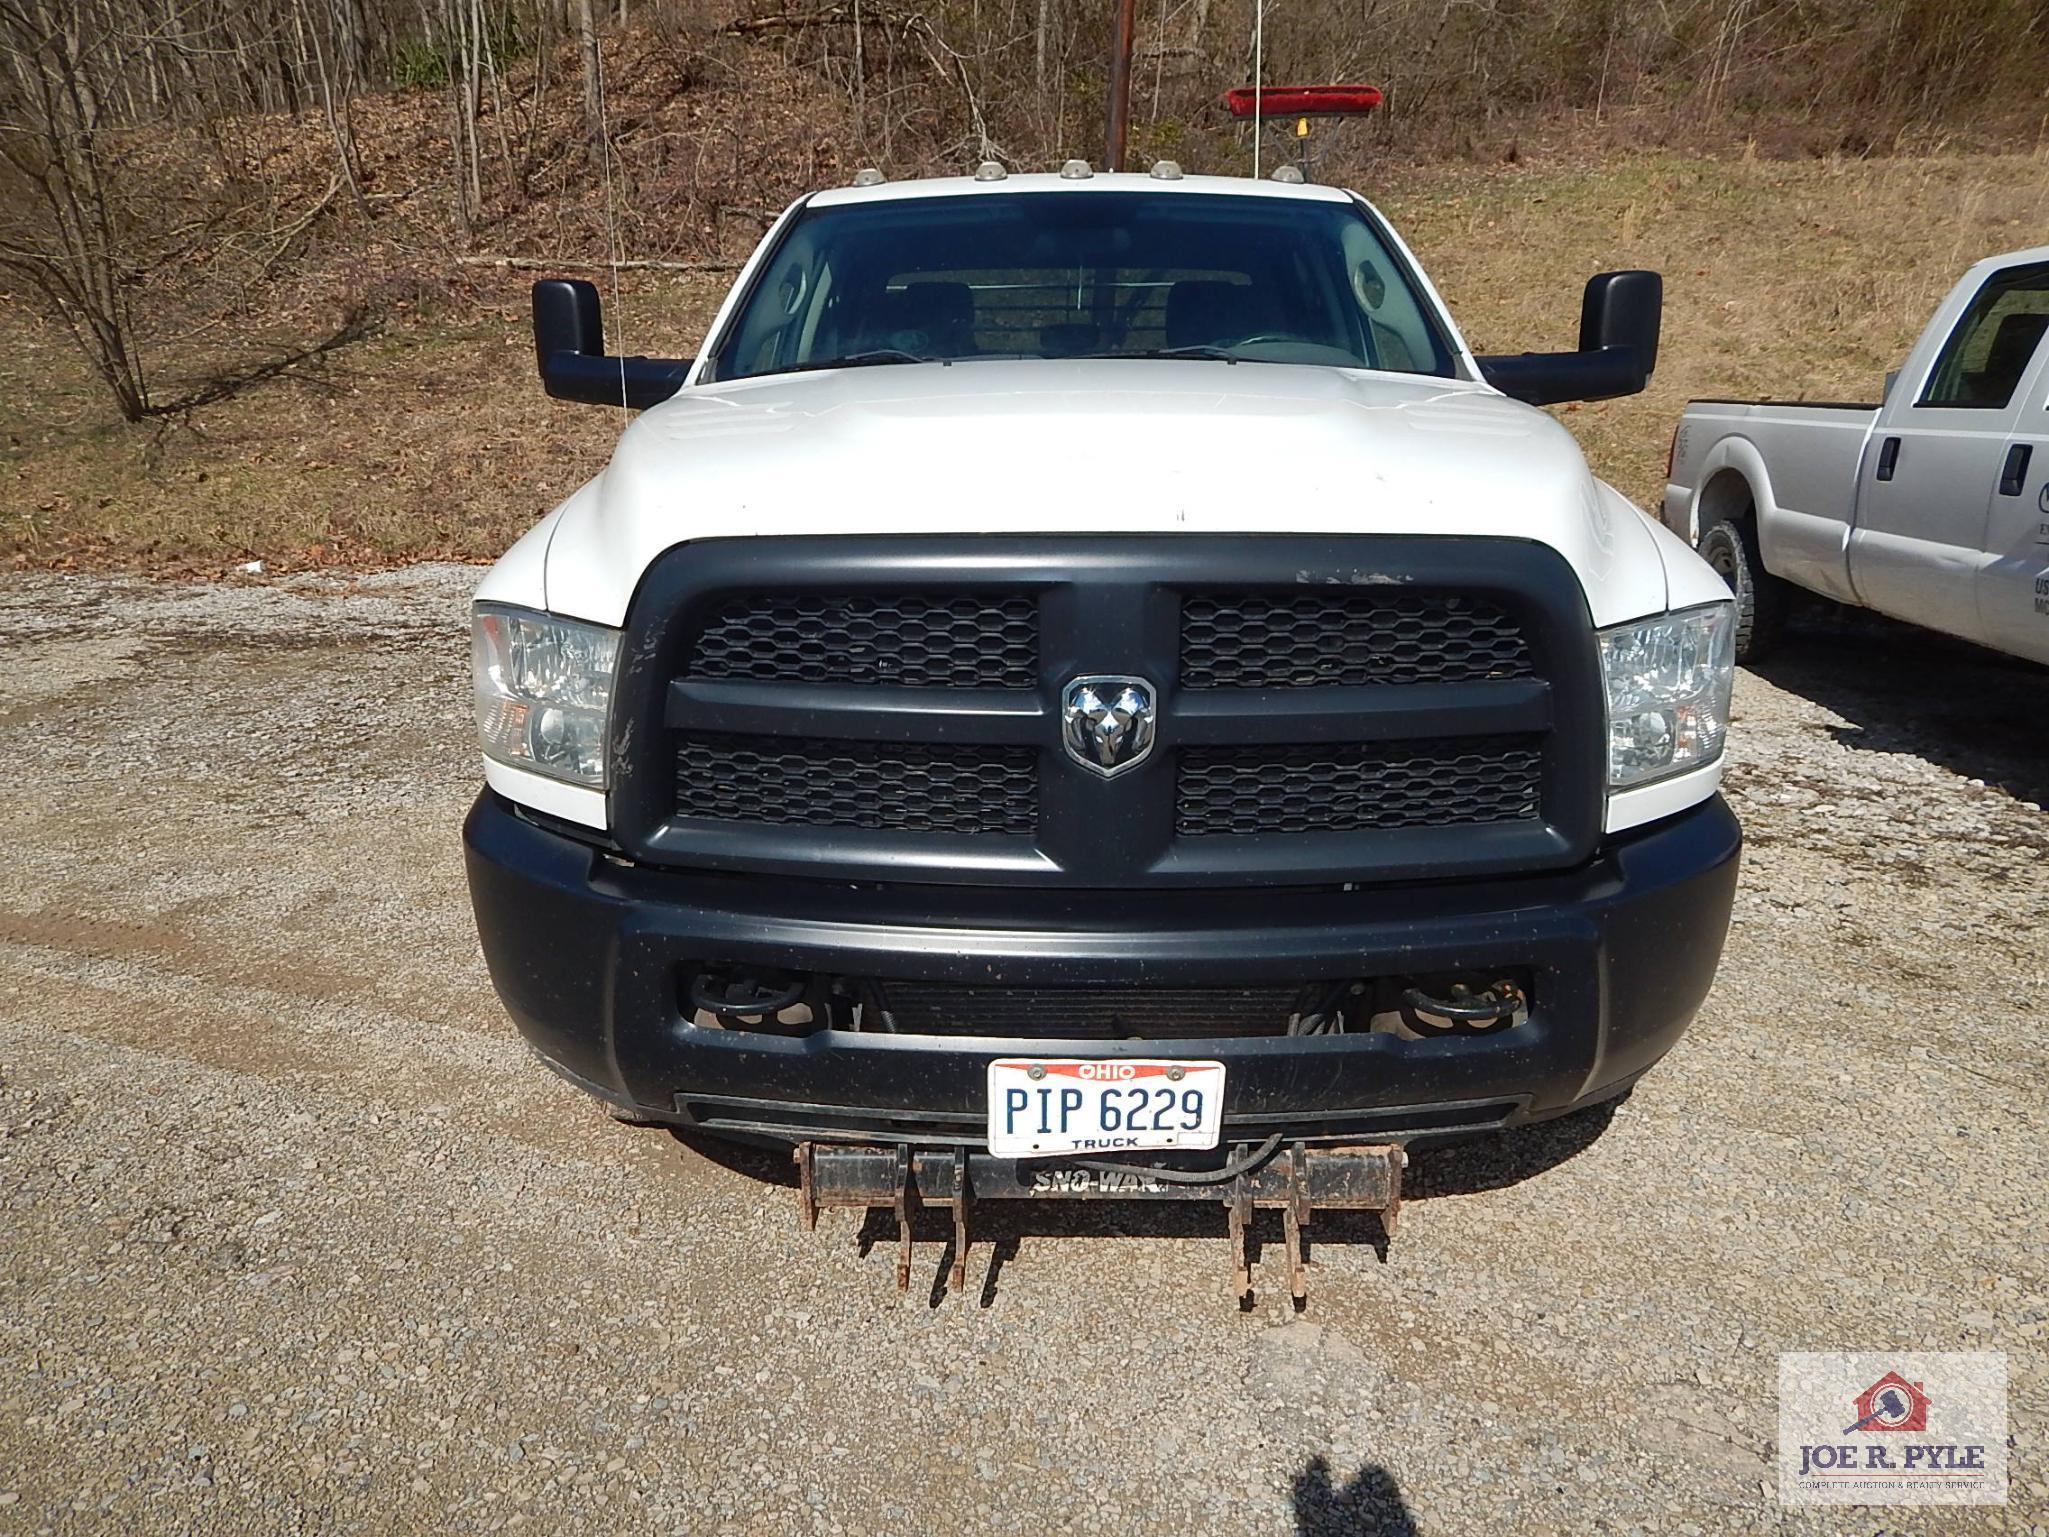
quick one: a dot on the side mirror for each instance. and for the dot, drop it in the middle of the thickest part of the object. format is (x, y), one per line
(569, 345)
(1618, 346)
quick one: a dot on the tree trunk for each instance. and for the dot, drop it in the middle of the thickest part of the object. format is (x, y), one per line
(472, 101)
(1041, 44)
(593, 83)
(334, 103)
(860, 81)
(498, 114)
(458, 134)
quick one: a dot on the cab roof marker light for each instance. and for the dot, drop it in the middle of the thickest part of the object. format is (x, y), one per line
(1166, 170)
(990, 170)
(1291, 174)
(868, 176)
(1077, 170)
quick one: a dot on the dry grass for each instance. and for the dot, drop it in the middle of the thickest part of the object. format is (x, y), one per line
(432, 441)
(1804, 279)
(1783, 278)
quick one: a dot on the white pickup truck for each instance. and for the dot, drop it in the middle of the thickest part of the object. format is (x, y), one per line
(1932, 507)
(1093, 664)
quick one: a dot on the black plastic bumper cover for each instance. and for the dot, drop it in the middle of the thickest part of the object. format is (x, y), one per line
(586, 953)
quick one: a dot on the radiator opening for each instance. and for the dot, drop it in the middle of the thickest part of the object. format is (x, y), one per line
(1413, 1008)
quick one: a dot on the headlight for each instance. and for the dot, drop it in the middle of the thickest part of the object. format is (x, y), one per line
(544, 691)
(1669, 681)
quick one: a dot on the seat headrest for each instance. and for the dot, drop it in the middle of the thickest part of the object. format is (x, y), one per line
(934, 306)
(2012, 345)
(938, 318)
(1203, 312)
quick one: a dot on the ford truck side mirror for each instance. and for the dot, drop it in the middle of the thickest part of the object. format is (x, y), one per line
(1618, 346)
(569, 345)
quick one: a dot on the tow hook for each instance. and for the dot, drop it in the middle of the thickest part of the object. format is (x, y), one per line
(747, 999)
(1297, 1181)
(1465, 1011)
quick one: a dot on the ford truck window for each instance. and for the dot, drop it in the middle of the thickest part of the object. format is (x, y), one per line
(1983, 360)
(1107, 275)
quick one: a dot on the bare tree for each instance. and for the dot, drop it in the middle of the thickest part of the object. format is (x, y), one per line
(325, 47)
(593, 83)
(135, 248)
(60, 230)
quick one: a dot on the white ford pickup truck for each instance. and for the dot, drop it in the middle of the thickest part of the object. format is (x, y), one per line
(1092, 664)
(1932, 507)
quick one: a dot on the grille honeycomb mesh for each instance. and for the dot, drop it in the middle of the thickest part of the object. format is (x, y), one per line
(908, 640)
(871, 786)
(1340, 639)
(1364, 787)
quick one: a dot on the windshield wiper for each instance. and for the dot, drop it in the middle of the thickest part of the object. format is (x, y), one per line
(869, 359)
(1217, 354)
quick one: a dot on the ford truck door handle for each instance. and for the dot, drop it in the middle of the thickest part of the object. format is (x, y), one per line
(1888, 456)
(2016, 470)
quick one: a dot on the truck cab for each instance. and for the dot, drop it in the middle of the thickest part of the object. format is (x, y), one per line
(1931, 506)
(1107, 627)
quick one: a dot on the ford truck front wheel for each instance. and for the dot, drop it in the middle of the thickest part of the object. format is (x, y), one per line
(1730, 546)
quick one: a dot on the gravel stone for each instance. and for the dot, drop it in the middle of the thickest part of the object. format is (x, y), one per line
(299, 1238)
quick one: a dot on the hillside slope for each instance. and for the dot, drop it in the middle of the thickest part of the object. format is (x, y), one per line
(1789, 278)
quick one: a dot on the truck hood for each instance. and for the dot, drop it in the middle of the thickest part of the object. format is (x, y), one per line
(1094, 446)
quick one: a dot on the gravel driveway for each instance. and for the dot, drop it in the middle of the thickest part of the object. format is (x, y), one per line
(297, 1238)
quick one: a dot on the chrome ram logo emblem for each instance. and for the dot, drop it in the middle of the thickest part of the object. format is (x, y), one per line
(1107, 723)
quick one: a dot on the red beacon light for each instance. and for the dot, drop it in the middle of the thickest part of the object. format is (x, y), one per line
(1302, 100)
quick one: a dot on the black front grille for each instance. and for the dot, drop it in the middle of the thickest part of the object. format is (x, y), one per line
(873, 786)
(1108, 1013)
(1347, 639)
(902, 639)
(1357, 787)
(888, 709)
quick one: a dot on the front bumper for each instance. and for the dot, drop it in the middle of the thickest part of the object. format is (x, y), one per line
(587, 953)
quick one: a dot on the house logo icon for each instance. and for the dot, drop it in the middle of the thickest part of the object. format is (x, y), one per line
(1891, 1403)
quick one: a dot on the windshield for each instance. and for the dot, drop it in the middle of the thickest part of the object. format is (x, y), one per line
(1070, 275)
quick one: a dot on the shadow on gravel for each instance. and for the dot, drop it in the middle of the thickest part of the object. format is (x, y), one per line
(1496, 1160)
(1904, 690)
(1370, 1504)
(1488, 1161)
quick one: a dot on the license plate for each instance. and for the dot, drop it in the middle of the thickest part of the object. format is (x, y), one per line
(1044, 1108)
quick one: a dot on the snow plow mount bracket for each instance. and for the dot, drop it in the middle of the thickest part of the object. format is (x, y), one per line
(1297, 1181)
